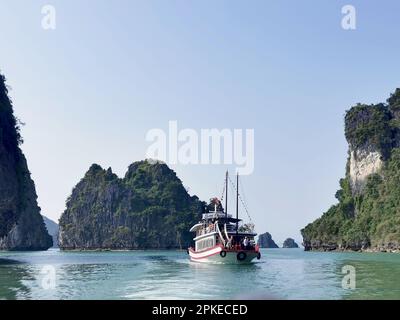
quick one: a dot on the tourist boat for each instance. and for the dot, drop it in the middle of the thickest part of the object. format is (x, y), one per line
(221, 238)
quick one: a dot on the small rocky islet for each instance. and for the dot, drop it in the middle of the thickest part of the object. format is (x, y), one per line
(290, 243)
(265, 241)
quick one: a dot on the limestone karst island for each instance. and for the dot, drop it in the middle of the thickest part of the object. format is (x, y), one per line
(21, 225)
(367, 215)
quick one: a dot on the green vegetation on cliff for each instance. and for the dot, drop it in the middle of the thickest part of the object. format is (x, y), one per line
(369, 219)
(9, 141)
(21, 225)
(148, 208)
(369, 124)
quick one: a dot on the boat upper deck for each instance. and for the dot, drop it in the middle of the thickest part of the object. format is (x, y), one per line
(219, 215)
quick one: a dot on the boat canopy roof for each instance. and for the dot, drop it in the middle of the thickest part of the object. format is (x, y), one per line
(242, 234)
(219, 215)
(196, 227)
(215, 215)
(234, 220)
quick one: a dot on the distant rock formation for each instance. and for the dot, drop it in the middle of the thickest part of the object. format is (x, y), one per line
(290, 243)
(367, 216)
(148, 209)
(21, 225)
(52, 228)
(265, 241)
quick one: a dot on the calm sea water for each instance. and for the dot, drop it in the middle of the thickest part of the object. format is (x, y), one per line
(280, 274)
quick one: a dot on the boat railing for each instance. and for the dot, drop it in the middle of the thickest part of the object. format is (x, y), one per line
(214, 215)
(242, 228)
(242, 247)
(207, 229)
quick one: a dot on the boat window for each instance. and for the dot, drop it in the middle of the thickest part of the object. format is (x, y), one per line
(205, 243)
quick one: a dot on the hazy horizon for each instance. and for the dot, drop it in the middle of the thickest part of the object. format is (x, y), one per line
(90, 90)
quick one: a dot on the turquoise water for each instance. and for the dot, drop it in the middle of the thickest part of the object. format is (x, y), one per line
(280, 274)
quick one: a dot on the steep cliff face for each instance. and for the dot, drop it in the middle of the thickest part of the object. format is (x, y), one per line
(371, 138)
(367, 216)
(265, 241)
(21, 225)
(362, 164)
(148, 209)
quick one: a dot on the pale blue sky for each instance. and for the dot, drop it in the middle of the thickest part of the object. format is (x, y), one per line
(91, 89)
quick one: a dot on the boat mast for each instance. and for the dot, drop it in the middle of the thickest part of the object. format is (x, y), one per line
(226, 195)
(237, 203)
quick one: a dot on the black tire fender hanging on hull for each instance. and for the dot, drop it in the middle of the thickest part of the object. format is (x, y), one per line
(241, 256)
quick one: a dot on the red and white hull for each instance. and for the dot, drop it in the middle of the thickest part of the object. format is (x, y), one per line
(219, 254)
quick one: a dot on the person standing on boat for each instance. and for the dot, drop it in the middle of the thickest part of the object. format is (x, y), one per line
(245, 242)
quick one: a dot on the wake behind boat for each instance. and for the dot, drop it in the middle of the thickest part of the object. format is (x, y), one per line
(222, 238)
